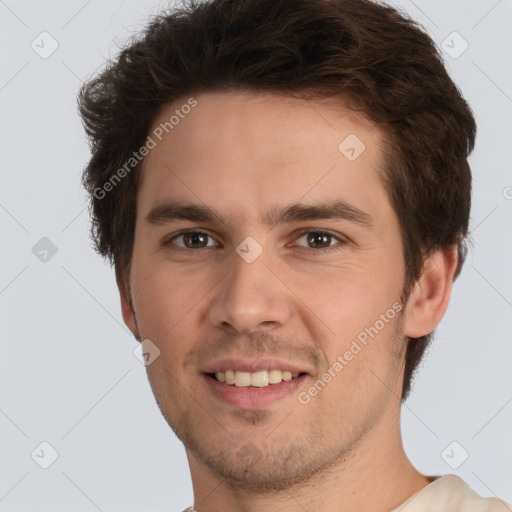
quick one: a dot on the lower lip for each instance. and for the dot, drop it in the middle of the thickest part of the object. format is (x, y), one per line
(252, 397)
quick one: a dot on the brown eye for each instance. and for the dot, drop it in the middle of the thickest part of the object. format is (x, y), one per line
(192, 240)
(319, 240)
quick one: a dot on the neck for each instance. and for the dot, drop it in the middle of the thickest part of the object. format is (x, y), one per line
(377, 476)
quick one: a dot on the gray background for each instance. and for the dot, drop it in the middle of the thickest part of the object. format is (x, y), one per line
(68, 375)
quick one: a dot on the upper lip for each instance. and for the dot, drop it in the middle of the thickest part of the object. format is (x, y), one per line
(252, 365)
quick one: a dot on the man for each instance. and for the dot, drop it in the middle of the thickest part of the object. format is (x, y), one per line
(283, 189)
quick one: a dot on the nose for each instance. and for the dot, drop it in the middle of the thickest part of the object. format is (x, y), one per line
(250, 299)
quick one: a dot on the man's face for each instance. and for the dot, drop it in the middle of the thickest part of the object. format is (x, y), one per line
(245, 293)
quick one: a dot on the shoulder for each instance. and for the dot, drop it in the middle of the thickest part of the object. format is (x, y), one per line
(449, 493)
(470, 500)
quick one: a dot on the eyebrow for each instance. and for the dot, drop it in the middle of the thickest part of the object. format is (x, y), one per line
(178, 210)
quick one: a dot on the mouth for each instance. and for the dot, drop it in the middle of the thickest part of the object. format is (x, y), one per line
(258, 379)
(251, 384)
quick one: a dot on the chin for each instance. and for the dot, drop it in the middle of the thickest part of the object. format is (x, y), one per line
(255, 469)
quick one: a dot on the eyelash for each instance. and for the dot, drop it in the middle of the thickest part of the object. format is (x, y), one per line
(341, 240)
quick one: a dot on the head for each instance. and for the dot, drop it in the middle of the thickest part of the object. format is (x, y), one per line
(241, 106)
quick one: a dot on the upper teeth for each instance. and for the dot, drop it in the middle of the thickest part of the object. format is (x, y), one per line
(258, 379)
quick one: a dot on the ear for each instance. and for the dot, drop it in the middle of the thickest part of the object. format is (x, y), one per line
(127, 308)
(429, 298)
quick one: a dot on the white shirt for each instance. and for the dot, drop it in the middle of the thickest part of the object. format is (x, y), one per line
(447, 493)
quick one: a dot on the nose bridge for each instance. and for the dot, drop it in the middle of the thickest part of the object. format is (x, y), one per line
(251, 298)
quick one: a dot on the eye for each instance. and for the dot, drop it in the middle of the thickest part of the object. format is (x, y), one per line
(321, 240)
(314, 239)
(191, 240)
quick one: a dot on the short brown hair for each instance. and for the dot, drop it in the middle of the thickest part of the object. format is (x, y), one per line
(357, 50)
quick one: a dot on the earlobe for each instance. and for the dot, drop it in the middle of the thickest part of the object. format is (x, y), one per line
(429, 298)
(127, 309)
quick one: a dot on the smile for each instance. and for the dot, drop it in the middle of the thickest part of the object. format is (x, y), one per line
(259, 379)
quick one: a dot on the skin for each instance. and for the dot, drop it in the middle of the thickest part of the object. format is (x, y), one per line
(243, 154)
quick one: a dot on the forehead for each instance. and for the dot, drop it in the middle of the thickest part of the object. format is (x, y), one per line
(247, 150)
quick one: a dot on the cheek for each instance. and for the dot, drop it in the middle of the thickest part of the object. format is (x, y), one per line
(162, 299)
(351, 298)
(352, 303)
